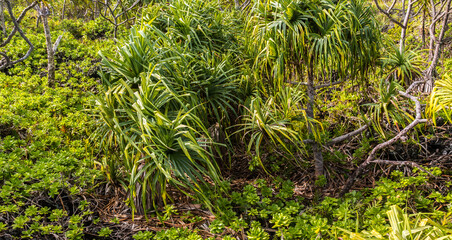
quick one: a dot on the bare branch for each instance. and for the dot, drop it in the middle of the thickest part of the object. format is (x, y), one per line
(387, 14)
(22, 34)
(130, 8)
(403, 163)
(57, 42)
(391, 7)
(371, 157)
(413, 85)
(21, 16)
(328, 85)
(346, 136)
(418, 11)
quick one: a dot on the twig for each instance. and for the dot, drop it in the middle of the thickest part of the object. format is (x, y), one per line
(403, 163)
(340, 138)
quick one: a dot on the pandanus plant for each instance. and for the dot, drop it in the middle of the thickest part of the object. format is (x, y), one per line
(158, 144)
(173, 71)
(308, 42)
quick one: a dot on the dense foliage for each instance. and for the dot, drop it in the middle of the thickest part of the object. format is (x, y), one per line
(193, 119)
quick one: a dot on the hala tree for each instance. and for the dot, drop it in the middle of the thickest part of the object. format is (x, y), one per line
(314, 43)
(176, 68)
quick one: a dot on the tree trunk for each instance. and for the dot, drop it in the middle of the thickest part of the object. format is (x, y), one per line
(50, 54)
(2, 20)
(432, 30)
(431, 71)
(423, 28)
(405, 26)
(96, 10)
(318, 158)
(64, 9)
(149, 201)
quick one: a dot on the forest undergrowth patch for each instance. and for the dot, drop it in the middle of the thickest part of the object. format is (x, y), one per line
(203, 134)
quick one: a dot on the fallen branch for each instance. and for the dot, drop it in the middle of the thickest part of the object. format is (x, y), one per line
(403, 163)
(346, 136)
(328, 85)
(413, 85)
(340, 138)
(370, 159)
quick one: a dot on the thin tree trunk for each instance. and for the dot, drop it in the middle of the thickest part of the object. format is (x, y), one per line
(50, 54)
(64, 9)
(423, 28)
(405, 26)
(152, 197)
(96, 10)
(318, 158)
(2, 20)
(432, 30)
(431, 71)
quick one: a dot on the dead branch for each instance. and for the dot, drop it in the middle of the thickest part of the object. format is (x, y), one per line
(19, 19)
(328, 85)
(413, 85)
(403, 163)
(371, 158)
(388, 14)
(116, 17)
(346, 136)
(22, 34)
(57, 42)
(391, 7)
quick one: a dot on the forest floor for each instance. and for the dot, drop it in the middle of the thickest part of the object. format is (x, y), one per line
(52, 179)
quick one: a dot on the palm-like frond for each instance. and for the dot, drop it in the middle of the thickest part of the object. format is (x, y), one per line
(403, 65)
(271, 123)
(388, 108)
(441, 98)
(291, 35)
(405, 227)
(363, 37)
